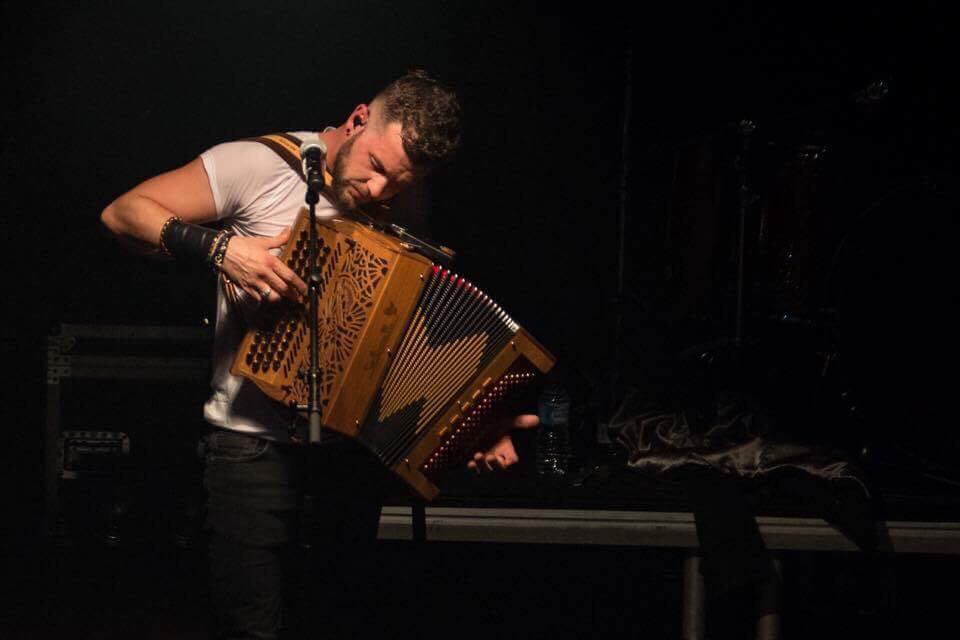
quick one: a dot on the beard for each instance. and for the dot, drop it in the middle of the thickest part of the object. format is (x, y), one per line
(340, 185)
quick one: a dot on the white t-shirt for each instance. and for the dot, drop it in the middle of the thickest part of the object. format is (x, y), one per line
(256, 194)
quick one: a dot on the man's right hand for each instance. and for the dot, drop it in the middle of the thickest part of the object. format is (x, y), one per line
(263, 276)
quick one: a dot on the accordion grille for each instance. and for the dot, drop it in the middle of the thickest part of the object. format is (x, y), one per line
(471, 433)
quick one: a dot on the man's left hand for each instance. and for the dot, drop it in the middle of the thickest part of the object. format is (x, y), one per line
(502, 454)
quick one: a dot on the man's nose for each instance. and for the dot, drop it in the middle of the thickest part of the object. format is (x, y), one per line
(375, 187)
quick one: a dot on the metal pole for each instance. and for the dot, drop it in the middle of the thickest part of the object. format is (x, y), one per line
(622, 230)
(769, 605)
(746, 128)
(693, 598)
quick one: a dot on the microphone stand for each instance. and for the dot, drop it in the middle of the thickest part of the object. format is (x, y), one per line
(315, 181)
(314, 171)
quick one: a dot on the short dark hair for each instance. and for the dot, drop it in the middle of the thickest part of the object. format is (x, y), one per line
(429, 115)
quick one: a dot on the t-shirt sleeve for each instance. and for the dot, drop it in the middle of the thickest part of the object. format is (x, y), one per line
(240, 173)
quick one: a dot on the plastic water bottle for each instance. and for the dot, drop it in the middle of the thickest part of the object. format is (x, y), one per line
(553, 449)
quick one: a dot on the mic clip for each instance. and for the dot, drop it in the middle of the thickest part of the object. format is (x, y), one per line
(313, 154)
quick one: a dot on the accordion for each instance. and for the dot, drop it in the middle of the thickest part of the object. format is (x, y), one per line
(415, 362)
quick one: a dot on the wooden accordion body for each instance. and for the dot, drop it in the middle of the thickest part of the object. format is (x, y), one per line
(414, 360)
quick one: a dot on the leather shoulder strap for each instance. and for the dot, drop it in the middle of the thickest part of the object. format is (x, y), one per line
(287, 147)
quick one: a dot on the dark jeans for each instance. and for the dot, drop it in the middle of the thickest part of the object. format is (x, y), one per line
(291, 529)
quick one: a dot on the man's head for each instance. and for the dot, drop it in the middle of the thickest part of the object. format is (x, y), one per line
(408, 129)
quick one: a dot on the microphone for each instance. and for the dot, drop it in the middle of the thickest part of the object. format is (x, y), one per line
(313, 154)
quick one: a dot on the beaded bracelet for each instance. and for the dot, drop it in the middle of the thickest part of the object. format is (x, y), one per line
(163, 231)
(219, 251)
(213, 245)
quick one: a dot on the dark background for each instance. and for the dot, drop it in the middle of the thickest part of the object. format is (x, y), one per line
(101, 96)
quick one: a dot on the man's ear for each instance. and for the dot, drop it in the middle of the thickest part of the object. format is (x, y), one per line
(358, 118)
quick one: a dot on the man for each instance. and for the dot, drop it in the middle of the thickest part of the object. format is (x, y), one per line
(255, 477)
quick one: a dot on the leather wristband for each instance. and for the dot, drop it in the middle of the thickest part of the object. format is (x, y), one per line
(189, 241)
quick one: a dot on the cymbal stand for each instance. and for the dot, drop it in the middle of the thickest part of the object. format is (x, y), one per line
(746, 198)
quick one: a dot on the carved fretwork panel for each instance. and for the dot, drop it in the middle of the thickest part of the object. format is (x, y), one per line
(351, 279)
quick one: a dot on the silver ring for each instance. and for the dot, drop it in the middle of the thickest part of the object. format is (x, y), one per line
(266, 292)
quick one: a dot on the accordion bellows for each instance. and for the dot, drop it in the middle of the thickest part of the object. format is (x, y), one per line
(415, 361)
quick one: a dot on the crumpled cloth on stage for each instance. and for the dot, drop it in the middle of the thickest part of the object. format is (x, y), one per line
(729, 461)
(659, 442)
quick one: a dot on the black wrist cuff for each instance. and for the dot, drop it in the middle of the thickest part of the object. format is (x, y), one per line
(188, 241)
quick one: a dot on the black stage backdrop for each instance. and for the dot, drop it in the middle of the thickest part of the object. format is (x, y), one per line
(100, 96)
